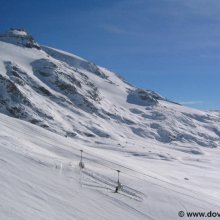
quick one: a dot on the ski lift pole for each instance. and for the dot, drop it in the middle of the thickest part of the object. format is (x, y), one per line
(118, 176)
(119, 186)
(81, 164)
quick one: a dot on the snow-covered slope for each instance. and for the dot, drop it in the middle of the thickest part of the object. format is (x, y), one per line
(168, 154)
(40, 178)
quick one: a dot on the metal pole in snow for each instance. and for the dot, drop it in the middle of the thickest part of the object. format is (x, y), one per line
(81, 164)
(119, 186)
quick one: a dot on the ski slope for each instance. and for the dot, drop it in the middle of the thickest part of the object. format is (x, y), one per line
(40, 178)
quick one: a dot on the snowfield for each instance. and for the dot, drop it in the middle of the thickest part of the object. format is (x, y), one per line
(54, 104)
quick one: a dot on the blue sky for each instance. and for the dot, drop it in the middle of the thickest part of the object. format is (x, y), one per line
(169, 46)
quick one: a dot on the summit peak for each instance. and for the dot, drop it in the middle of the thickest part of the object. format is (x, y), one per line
(19, 37)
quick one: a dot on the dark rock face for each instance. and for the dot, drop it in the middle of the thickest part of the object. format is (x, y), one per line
(143, 97)
(66, 84)
(51, 81)
(12, 100)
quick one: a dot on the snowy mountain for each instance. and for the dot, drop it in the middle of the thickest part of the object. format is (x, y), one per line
(168, 154)
(76, 98)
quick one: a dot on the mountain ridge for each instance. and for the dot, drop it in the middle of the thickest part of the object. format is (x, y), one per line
(73, 97)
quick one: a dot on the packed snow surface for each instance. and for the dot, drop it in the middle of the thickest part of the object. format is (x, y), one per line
(54, 104)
